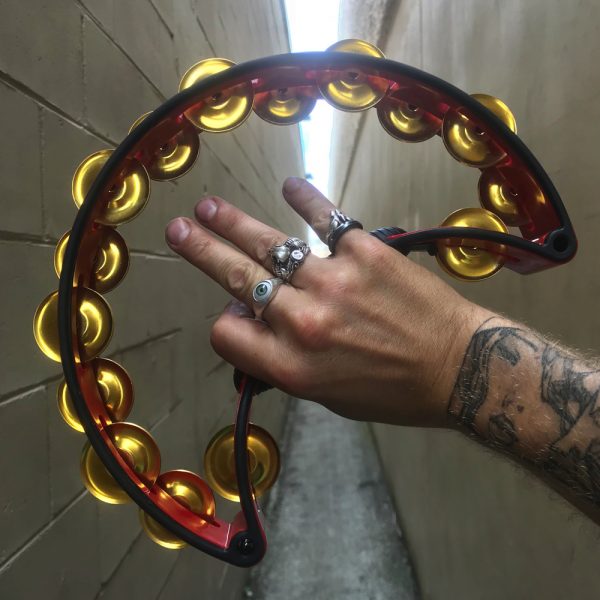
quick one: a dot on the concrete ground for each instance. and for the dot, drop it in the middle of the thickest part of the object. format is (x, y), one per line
(331, 526)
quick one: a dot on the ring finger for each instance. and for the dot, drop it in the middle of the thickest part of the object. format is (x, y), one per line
(249, 235)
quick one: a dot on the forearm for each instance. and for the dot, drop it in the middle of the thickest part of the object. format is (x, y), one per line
(527, 396)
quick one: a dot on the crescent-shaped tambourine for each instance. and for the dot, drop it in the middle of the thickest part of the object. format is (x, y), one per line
(521, 224)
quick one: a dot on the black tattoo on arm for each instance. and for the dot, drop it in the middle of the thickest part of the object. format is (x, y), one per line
(514, 385)
(501, 430)
(472, 386)
(564, 387)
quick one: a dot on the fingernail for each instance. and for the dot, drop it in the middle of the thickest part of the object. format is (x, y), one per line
(292, 184)
(177, 231)
(206, 209)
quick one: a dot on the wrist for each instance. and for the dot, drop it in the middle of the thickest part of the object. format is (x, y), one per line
(464, 321)
(496, 392)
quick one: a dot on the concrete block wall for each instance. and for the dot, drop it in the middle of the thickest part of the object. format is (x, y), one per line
(74, 75)
(477, 526)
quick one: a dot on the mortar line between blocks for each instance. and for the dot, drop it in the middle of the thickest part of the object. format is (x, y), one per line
(33, 95)
(212, 48)
(168, 576)
(17, 393)
(104, 584)
(84, 81)
(4, 566)
(42, 153)
(162, 19)
(97, 23)
(150, 340)
(361, 124)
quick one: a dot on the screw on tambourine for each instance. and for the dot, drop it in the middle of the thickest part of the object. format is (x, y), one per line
(246, 545)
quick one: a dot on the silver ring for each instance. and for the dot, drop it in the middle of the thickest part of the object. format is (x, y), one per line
(263, 292)
(287, 257)
(339, 223)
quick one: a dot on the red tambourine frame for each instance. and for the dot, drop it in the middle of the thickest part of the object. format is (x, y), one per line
(547, 239)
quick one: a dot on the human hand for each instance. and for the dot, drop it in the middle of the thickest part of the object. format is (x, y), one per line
(367, 333)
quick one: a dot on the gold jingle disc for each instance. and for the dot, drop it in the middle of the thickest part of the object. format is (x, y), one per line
(224, 110)
(190, 491)
(126, 199)
(110, 264)
(510, 193)
(114, 386)
(94, 324)
(499, 108)
(284, 106)
(138, 449)
(219, 462)
(407, 122)
(176, 156)
(499, 196)
(354, 91)
(468, 262)
(470, 144)
(99, 482)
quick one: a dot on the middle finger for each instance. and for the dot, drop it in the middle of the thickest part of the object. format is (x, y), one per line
(249, 235)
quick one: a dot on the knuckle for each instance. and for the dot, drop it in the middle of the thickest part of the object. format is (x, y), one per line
(231, 217)
(336, 285)
(345, 282)
(311, 328)
(238, 275)
(262, 243)
(199, 244)
(320, 221)
(368, 250)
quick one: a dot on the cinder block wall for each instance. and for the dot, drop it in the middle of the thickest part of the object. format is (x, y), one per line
(74, 75)
(479, 527)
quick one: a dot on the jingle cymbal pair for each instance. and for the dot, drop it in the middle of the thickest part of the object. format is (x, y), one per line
(138, 449)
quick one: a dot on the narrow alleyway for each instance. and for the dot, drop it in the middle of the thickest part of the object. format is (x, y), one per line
(330, 522)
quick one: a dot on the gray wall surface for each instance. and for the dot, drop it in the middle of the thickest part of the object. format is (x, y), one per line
(478, 527)
(74, 75)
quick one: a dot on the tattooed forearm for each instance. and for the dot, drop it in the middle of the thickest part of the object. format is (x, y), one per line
(535, 400)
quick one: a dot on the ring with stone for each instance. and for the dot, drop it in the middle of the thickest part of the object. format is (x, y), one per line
(264, 291)
(339, 224)
(287, 257)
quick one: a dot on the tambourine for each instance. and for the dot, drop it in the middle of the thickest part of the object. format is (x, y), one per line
(121, 461)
